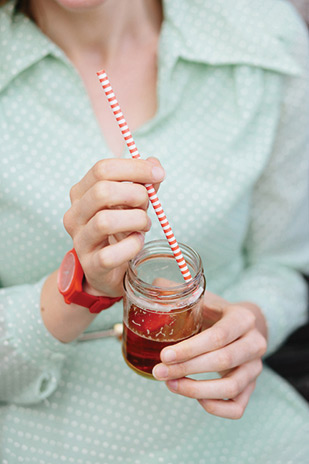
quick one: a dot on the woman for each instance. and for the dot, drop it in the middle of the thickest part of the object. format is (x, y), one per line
(219, 95)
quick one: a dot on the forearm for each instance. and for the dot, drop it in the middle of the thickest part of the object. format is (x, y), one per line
(65, 322)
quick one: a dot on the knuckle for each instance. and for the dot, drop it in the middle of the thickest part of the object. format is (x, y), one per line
(143, 220)
(100, 191)
(210, 407)
(100, 223)
(67, 222)
(104, 259)
(219, 336)
(73, 193)
(260, 344)
(137, 196)
(100, 170)
(246, 315)
(238, 411)
(144, 197)
(224, 360)
(233, 388)
(251, 319)
(263, 346)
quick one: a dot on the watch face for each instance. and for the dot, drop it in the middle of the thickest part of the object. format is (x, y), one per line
(66, 272)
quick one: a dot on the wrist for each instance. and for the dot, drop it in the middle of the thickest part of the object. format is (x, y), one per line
(63, 324)
(70, 284)
(91, 290)
(88, 288)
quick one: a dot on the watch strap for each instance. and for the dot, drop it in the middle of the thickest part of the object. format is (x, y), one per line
(76, 295)
(95, 304)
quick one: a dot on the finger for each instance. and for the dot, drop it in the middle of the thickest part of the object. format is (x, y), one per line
(155, 162)
(231, 326)
(131, 170)
(164, 284)
(229, 386)
(214, 302)
(109, 195)
(247, 348)
(230, 409)
(110, 222)
(112, 256)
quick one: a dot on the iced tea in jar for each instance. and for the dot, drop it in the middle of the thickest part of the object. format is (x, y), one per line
(160, 308)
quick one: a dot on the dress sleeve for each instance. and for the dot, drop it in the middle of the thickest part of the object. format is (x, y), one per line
(31, 359)
(277, 244)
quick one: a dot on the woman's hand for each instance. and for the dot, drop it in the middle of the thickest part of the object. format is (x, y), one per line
(108, 219)
(232, 346)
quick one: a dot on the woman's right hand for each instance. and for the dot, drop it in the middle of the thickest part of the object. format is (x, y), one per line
(108, 218)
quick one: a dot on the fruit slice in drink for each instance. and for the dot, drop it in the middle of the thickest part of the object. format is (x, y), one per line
(149, 331)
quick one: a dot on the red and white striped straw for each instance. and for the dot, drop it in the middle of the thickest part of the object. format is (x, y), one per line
(123, 126)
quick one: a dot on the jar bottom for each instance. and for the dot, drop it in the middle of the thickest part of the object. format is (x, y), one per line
(137, 371)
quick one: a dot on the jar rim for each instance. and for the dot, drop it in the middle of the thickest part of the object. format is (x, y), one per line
(171, 291)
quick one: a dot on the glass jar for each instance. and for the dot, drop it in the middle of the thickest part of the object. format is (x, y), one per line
(159, 308)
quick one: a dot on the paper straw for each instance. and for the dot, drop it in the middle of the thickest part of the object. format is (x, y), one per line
(123, 126)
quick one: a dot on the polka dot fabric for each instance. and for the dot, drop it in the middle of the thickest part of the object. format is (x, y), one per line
(232, 130)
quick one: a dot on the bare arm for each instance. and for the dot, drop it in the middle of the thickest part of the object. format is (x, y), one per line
(65, 322)
(107, 222)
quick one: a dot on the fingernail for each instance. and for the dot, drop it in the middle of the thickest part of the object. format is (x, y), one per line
(158, 173)
(160, 372)
(168, 356)
(172, 384)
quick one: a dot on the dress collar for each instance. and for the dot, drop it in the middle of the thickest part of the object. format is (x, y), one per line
(232, 32)
(22, 44)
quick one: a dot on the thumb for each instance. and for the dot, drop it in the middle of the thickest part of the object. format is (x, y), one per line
(155, 162)
(213, 307)
(213, 301)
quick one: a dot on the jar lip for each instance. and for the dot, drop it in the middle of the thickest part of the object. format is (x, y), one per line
(183, 288)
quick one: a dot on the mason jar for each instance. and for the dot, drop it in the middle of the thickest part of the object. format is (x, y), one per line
(159, 307)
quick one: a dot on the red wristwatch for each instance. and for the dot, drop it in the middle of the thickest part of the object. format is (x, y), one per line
(70, 285)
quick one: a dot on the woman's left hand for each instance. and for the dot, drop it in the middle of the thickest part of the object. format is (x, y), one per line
(233, 346)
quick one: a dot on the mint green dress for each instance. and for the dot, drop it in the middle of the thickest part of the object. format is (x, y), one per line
(231, 130)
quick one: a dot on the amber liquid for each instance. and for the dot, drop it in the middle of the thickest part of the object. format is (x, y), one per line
(148, 332)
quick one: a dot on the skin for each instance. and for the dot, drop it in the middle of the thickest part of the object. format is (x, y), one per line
(232, 345)
(107, 222)
(123, 38)
(108, 217)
